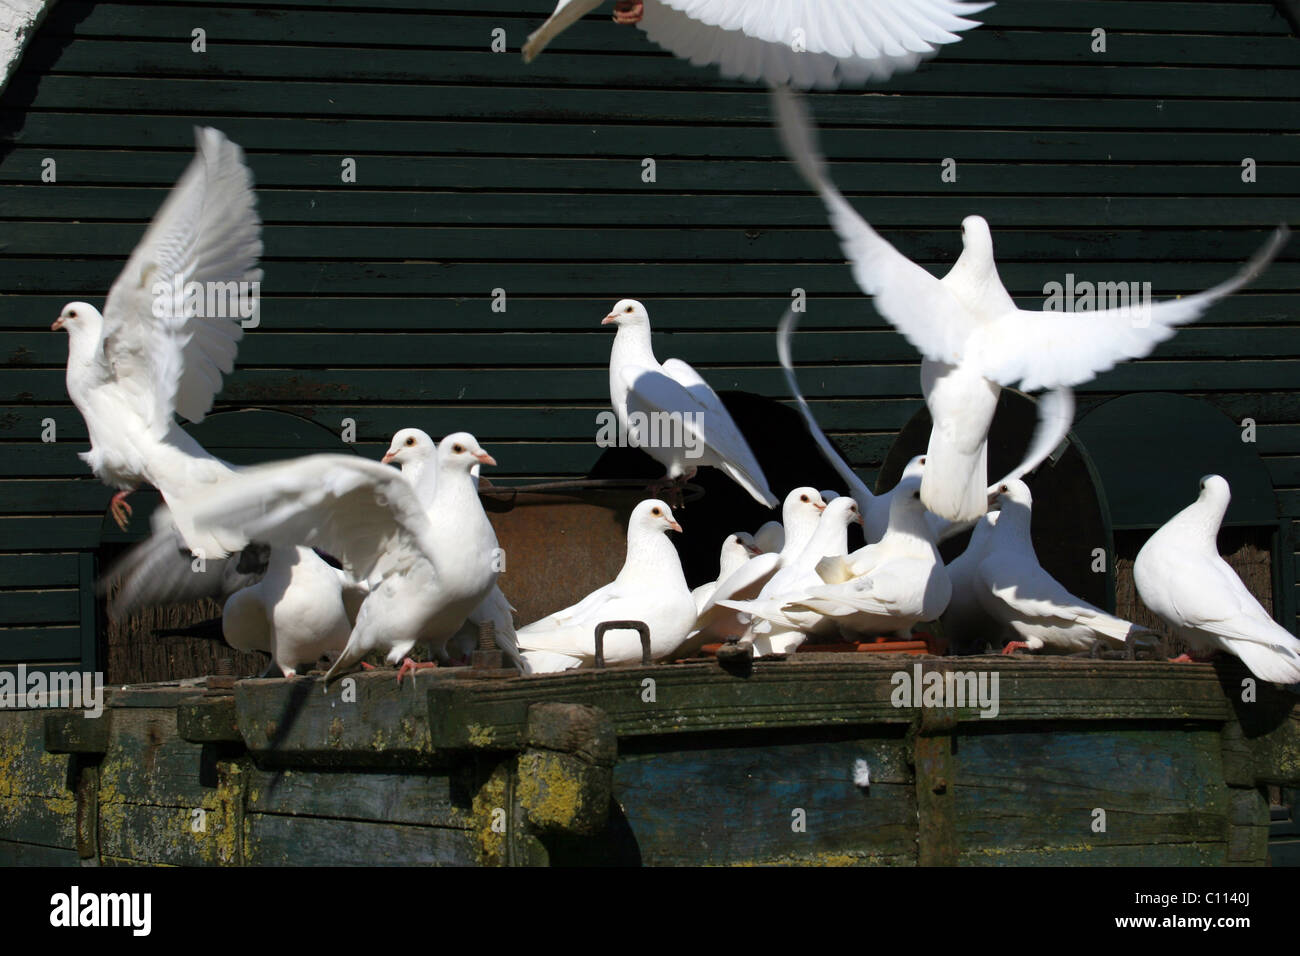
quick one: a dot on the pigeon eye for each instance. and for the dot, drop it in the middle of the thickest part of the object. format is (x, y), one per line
(72, 314)
(628, 309)
(803, 497)
(656, 512)
(411, 440)
(457, 448)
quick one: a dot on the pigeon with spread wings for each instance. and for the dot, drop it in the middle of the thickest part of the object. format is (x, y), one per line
(152, 352)
(972, 337)
(427, 570)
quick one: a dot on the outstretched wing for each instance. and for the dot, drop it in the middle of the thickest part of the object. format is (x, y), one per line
(364, 513)
(208, 232)
(1055, 349)
(806, 43)
(917, 304)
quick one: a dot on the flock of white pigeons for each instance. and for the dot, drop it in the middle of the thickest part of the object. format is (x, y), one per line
(419, 559)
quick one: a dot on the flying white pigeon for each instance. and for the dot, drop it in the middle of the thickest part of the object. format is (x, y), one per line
(1181, 577)
(736, 551)
(671, 412)
(426, 569)
(416, 454)
(891, 585)
(806, 43)
(650, 588)
(1013, 589)
(973, 338)
(153, 352)
(778, 620)
(967, 626)
(1055, 415)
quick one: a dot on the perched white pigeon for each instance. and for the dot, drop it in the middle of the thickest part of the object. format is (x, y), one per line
(131, 369)
(770, 537)
(973, 338)
(416, 454)
(650, 588)
(672, 413)
(801, 514)
(301, 610)
(1181, 577)
(891, 585)
(426, 569)
(1014, 589)
(285, 601)
(778, 622)
(967, 626)
(1055, 415)
(736, 551)
(806, 43)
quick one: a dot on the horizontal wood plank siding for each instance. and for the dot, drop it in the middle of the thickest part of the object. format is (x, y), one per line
(477, 172)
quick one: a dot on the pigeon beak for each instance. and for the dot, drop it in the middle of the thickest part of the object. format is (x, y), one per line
(857, 519)
(820, 508)
(388, 456)
(753, 552)
(486, 458)
(609, 319)
(58, 324)
(673, 525)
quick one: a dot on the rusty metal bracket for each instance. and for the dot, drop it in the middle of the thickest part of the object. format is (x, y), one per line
(639, 626)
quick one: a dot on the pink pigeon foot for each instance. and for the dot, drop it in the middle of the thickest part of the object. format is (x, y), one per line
(120, 510)
(628, 11)
(1186, 658)
(410, 666)
(1012, 646)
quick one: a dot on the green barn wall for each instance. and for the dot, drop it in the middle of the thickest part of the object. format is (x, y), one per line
(476, 172)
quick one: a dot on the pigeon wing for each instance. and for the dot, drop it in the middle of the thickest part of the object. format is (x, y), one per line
(838, 40)
(1054, 349)
(364, 513)
(705, 422)
(917, 304)
(207, 231)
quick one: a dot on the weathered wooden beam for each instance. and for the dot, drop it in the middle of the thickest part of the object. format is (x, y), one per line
(75, 733)
(209, 720)
(565, 777)
(834, 690)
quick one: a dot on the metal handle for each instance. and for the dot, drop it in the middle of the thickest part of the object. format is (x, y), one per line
(639, 626)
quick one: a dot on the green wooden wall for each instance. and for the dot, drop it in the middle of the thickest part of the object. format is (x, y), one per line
(475, 172)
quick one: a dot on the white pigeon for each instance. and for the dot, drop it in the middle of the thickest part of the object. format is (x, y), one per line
(770, 537)
(806, 43)
(1013, 589)
(801, 513)
(426, 569)
(650, 587)
(300, 611)
(891, 585)
(285, 601)
(130, 370)
(1055, 415)
(973, 338)
(967, 626)
(778, 622)
(737, 549)
(671, 412)
(1181, 577)
(416, 454)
